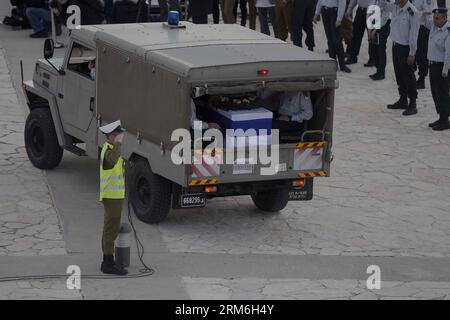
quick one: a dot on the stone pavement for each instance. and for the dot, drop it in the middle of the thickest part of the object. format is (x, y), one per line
(305, 289)
(29, 224)
(42, 290)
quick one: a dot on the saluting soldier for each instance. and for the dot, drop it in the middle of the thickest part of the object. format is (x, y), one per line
(439, 57)
(424, 7)
(332, 14)
(404, 31)
(112, 194)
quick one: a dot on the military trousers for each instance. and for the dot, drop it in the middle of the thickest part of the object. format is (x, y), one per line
(359, 28)
(227, 7)
(283, 14)
(334, 36)
(439, 89)
(302, 20)
(422, 50)
(404, 73)
(111, 224)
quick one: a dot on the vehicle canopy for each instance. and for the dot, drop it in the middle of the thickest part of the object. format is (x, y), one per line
(158, 66)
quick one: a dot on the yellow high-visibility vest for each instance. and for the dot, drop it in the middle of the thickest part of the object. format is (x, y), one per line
(112, 182)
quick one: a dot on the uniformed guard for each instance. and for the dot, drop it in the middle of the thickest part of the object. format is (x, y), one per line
(404, 31)
(377, 44)
(439, 58)
(424, 7)
(332, 14)
(359, 27)
(112, 194)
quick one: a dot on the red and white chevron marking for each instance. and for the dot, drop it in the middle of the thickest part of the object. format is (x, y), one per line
(208, 167)
(308, 158)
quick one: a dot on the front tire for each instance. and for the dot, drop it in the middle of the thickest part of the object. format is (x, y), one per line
(271, 201)
(41, 141)
(150, 194)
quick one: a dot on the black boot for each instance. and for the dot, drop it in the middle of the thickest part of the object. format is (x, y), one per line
(435, 123)
(110, 267)
(402, 103)
(377, 76)
(412, 108)
(442, 124)
(421, 83)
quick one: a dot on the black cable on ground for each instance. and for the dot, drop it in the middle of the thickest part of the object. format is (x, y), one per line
(144, 272)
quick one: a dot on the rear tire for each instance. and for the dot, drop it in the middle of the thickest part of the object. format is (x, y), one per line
(150, 194)
(41, 141)
(271, 201)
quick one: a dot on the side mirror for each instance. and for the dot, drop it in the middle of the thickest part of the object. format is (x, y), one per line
(49, 49)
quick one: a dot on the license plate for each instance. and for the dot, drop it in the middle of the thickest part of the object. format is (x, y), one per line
(193, 200)
(298, 195)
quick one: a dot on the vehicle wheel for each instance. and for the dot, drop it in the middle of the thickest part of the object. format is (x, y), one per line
(271, 201)
(41, 141)
(150, 194)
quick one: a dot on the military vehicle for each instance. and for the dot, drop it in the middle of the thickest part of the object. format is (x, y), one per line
(147, 75)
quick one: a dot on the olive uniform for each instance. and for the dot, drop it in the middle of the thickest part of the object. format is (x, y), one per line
(112, 194)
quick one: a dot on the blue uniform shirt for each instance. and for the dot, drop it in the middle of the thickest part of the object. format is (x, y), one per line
(340, 4)
(439, 45)
(405, 23)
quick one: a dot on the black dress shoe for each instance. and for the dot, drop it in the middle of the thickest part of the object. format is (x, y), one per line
(351, 60)
(432, 124)
(346, 69)
(441, 126)
(311, 48)
(376, 77)
(409, 112)
(420, 83)
(40, 34)
(108, 268)
(412, 108)
(369, 64)
(402, 103)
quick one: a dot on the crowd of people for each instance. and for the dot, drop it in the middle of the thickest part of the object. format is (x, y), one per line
(410, 24)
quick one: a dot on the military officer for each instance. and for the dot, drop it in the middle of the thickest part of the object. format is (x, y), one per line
(112, 194)
(404, 31)
(439, 58)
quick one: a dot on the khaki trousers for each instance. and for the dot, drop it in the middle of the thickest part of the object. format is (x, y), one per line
(111, 225)
(283, 12)
(227, 7)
